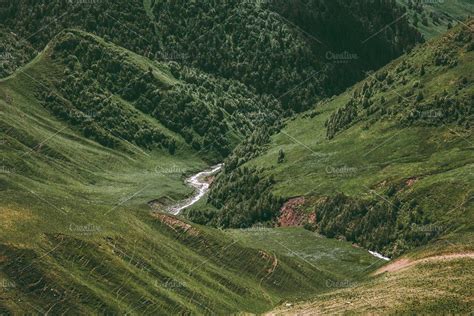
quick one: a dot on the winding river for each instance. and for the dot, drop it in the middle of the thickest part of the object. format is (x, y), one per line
(198, 182)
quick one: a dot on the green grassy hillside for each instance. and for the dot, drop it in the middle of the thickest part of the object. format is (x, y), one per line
(436, 285)
(76, 233)
(353, 263)
(388, 163)
(128, 98)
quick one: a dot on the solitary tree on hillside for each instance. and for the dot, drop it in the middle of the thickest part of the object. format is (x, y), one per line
(422, 70)
(281, 156)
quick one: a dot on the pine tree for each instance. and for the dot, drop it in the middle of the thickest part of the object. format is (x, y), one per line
(281, 156)
(422, 70)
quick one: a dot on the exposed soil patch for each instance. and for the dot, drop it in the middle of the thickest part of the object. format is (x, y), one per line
(160, 204)
(411, 182)
(176, 224)
(10, 217)
(300, 211)
(291, 213)
(265, 255)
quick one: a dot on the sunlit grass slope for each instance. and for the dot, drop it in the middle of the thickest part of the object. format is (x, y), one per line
(435, 286)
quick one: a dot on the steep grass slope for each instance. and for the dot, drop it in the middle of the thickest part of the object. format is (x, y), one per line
(76, 233)
(435, 285)
(387, 164)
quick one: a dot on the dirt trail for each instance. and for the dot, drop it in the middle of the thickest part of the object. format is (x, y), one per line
(403, 263)
(269, 271)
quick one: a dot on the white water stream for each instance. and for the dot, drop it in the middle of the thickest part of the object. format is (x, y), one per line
(376, 254)
(198, 182)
